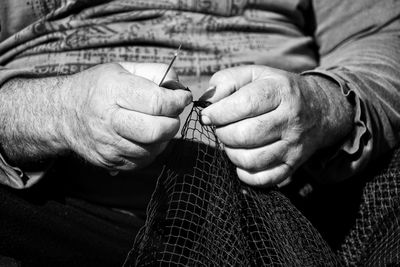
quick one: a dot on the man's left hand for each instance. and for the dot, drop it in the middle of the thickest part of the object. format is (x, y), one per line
(271, 121)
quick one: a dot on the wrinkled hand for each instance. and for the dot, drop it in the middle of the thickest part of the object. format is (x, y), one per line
(117, 117)
(270, 121)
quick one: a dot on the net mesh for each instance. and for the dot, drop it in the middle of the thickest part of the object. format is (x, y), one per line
(201, 214)
(374, 238)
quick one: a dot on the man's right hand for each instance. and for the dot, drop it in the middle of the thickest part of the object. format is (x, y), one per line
(116, 116)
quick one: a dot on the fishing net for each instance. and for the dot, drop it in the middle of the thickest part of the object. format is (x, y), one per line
(374, 238)
(201, 214)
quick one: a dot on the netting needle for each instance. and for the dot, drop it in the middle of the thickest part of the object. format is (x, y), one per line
(170, 64)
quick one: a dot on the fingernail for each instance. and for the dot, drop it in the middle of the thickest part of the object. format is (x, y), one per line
(212, 87)
(205, 120)
(208, 93)
(173, 85)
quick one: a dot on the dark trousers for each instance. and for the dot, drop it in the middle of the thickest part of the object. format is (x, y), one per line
(43, 226)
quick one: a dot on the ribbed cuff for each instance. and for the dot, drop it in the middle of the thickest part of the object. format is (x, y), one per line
(339, 162)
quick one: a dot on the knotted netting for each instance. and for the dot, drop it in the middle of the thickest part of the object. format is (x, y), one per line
(201, 214)
(374, 237)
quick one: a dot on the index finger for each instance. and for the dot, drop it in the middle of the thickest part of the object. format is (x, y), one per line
(227, 81)
(251, 100)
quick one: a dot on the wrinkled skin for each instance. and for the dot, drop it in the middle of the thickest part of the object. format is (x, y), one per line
(116, 116)
(271, 121)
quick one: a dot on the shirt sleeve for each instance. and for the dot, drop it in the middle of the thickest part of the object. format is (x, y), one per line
(359, 48)
(11, 175)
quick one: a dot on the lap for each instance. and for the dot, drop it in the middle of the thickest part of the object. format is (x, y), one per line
(43, 226)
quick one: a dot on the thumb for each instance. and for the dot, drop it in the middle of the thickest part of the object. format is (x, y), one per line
(225, 82)
(151, 71)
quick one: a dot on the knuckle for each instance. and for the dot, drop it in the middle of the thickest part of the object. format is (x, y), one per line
(156, 103)
(109, 77)
(281, 80)
(112, 65)
(258, 129)
(284, 80)
(286, 171)
(282, 86)
(295, 110)
(289, 151)
(108, 68)
(225, 77)
(295, 156)
(247, 101)
(248, 161)
(155, 134)
(219, 76)
(267, 158)
(294, 140)
(244, 159)
(286, 145)
(241, 136)
(108, 156)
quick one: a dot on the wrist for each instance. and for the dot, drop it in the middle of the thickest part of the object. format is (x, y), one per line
(335, 113)
(68, 98)
(61, 110)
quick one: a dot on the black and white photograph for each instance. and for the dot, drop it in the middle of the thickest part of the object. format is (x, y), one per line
(199, 133)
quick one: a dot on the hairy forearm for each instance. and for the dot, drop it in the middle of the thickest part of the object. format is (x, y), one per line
(30, 120)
